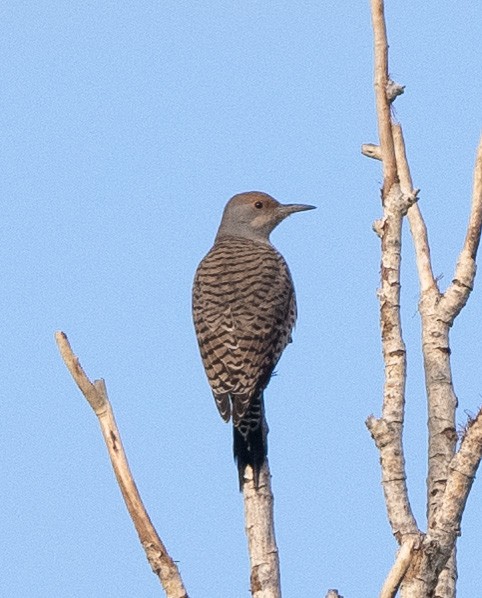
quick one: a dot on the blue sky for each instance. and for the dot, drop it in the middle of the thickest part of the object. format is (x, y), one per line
(125, 129)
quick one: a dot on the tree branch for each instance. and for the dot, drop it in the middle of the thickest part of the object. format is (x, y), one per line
(259, 521)
(382, 101)
(414, 215)
(96, 394)
(371, 150)
(462, 470)
(457, 294)
(387, 431)
(400, 566)
(437, 317)
(429, 567)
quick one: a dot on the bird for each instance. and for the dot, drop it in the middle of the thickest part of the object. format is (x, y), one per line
(244, 311)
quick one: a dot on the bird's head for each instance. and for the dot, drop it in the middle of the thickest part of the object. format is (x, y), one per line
(254, 215)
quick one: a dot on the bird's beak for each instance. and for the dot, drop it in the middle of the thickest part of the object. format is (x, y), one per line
(291, 208)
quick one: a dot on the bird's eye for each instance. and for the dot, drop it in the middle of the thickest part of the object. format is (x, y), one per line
(258, 205)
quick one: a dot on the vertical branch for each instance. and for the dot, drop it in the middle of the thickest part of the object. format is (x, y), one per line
(442, 399)
(259, 518)
(438, 314)
(435, 346)
(416, 222)
(382, 102)
(387, 431)
(96, 394)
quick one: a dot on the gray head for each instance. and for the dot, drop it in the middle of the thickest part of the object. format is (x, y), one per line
(254, 215)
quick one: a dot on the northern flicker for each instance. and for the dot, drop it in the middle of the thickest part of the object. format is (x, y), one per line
(244, 310)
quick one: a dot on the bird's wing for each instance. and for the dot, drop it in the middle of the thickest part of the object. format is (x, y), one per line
(244, 310)
(262, 335)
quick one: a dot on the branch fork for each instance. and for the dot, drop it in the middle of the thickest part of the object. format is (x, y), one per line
(425, 564)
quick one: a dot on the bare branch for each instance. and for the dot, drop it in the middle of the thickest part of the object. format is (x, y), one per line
(456, 296)
(400, 566)
(387, 431)
(441, 397)
(415, 219)
(96, 394)
(371, 150)
(430, 567)
(462, 470)
(442, 402)
(472, 239)
(95, 400)
(437, 317)
(438, 312)
(382, 101)
(263, 552)
(444, 533)
(388, 441)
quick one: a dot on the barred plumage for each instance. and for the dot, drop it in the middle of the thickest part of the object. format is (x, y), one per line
(244, 310)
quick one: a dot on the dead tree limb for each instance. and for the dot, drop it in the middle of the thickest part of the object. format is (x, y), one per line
(429, 565)
(382, 99)
(259, 522)
(400, 566)
(96, 394)
(387, 431)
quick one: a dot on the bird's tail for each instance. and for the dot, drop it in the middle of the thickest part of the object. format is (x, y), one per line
(250, 441)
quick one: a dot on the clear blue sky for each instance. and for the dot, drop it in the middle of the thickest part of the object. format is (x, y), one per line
(125, 128)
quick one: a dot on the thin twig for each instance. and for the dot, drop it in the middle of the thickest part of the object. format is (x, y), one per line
(96, 394)
(457, 294)
(371, 150)
(383, 103)
(472, 239)
(414, 215)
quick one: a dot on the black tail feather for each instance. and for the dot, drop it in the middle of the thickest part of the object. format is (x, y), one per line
(250, 442)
